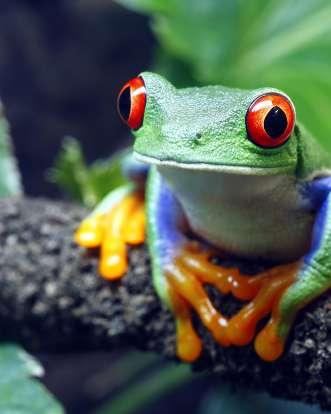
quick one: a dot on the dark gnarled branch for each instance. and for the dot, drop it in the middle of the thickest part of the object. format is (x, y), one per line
(51, 298)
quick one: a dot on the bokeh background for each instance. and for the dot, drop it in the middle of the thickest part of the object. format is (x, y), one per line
(61, 66)
(62, 63)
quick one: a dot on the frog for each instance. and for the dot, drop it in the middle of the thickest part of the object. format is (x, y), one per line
(219, 172)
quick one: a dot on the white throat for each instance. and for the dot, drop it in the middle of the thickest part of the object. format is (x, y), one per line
(246, 215)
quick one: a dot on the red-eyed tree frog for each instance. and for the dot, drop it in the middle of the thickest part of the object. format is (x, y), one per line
(228, 171)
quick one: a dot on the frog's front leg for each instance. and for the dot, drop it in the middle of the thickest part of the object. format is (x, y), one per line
(181, 268)
(118, 221)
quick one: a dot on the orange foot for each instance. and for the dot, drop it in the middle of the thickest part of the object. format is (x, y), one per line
(241, 328)
(122, 224)
(187, 274)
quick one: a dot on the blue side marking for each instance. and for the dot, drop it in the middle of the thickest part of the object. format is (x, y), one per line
(319, 192)
(318, 231)
(168, 218)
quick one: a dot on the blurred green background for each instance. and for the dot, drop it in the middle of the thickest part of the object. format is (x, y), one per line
(61, 66)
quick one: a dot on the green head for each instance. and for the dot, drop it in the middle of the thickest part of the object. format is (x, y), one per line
(211, 127)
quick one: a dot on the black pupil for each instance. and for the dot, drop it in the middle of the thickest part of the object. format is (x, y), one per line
(275, 123)
(124, 103)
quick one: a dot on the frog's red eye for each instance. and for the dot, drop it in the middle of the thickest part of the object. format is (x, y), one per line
(270, 120)
(131, 102)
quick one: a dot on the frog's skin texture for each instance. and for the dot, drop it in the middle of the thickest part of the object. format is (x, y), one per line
(210, 188)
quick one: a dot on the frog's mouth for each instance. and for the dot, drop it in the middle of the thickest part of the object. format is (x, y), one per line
(222, 168)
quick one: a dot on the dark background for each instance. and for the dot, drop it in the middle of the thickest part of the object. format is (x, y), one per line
(62, 64)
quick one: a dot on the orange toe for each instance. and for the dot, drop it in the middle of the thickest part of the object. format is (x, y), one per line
(89, 233)
(113, 262)
(268, 344)
(188, 345)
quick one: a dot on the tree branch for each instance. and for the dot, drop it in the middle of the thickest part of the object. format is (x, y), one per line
(52, 299)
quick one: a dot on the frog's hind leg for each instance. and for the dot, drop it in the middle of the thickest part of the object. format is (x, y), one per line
(117, 221)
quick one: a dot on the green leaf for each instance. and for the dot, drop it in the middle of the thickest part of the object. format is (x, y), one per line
(86, 184)
(70, 172)
(106, 175)
(10, 181)
(249, 44)
(19, 393)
